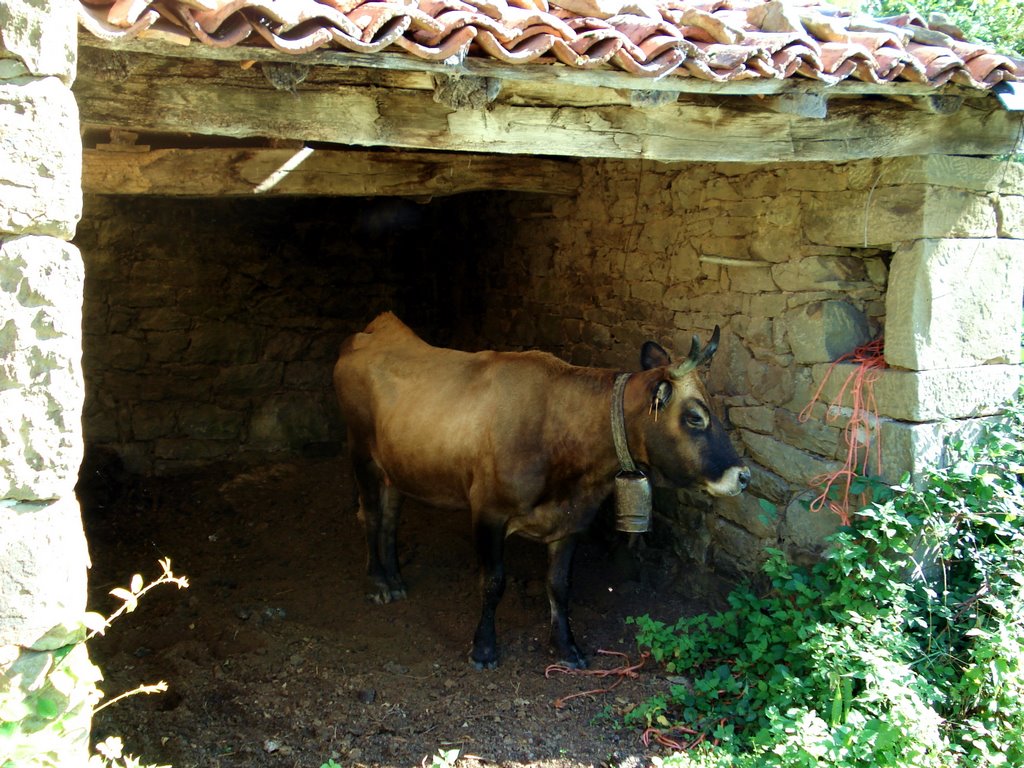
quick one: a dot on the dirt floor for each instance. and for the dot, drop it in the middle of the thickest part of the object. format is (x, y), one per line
(274, 657)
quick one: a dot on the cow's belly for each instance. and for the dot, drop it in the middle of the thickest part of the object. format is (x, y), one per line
(439, 484)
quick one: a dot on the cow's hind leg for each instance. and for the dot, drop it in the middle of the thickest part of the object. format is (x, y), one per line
(559, 571)
(490, 548)
(390, 508)
(378, 510)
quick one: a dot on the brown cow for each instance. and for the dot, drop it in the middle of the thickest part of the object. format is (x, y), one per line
(520, 439)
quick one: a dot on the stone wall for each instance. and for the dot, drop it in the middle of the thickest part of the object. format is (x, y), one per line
(211, 326)
(42, 546)
(799, 264)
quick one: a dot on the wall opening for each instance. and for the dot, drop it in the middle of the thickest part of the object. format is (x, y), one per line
(211, 327)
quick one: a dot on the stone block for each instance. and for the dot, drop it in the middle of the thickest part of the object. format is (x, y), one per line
(916, 448)
(40, 158)
(823, 331)
(745, 511)
(881, 216)
(203, 421)
(42, 36)
(772, 383)
(954, 304)
(41, 386)
(43, 579)
(288, 421)
(919, 396)
(248, 379)
(767, 485)
(810, 178)
(743, 551)
(649, 291)
(152, 423)
(970, 173)
(752, 279)
(819, 273)
(813, 435)
(767, 305)
(224, 343)
(758, 418)
(796, 466)
(802, 532)
(1011, 216)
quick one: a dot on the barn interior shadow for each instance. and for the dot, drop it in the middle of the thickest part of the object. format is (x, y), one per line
(275, 657)
(213, 440)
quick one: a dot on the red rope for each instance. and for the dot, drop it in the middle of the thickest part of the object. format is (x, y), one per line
(626, 670)
(679, 738)
(862, 433)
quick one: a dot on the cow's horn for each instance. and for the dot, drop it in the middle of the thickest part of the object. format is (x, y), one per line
(697, 355)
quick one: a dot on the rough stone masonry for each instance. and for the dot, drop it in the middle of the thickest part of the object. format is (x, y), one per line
(218, 346)
(42, 545)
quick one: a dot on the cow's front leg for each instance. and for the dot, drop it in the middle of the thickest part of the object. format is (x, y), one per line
(390, 507)
(368, 479)
(490, 550)
(559, 571)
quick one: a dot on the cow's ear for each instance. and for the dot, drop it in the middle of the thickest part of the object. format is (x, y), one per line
(653, 355)
(662, 394)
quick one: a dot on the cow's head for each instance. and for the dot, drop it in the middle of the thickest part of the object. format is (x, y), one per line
(685, 442)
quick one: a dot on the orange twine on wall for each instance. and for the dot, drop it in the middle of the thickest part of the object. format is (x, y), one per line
(862, 433)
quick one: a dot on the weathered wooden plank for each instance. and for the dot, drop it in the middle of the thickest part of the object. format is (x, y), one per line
(309, 171)
(223, 100)
(537, 72)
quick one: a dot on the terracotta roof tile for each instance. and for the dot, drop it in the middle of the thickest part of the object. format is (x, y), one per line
(718, 40)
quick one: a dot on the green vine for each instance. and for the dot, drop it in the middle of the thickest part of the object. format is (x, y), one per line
(47, 697)
(904, 647)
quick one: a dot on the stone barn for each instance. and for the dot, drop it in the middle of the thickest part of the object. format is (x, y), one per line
(202, 199)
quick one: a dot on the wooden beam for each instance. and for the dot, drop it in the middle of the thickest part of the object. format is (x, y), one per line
(538, 72)
(347, 107)
(307, 171)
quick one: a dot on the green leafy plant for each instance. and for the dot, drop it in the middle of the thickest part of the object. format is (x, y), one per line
(903, 647)
(48, 695)
(444, 758)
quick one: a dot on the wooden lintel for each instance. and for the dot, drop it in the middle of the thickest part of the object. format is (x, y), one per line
(538, 72)
(801, 104)
(937, 105)
(308, 171)
(347, 107)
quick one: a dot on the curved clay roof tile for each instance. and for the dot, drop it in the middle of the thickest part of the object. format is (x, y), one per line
(650, 38)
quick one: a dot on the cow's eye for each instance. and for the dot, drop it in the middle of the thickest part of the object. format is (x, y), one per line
(695, 419)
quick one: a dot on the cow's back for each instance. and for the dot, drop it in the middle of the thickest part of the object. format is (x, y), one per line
(440, 422)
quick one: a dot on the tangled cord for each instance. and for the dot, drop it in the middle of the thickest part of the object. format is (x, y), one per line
(862, 433)
(626, 670)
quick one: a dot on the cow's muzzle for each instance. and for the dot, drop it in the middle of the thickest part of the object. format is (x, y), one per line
(732, 482)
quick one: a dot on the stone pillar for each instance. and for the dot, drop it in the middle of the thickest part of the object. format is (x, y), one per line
(953, 303)
(46, 679)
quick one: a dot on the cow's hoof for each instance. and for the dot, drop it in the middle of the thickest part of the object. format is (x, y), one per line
(379, 593)
(483, 659)
(573, 659)
(479, 666)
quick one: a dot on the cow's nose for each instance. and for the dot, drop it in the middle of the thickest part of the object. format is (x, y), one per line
(744, 478)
